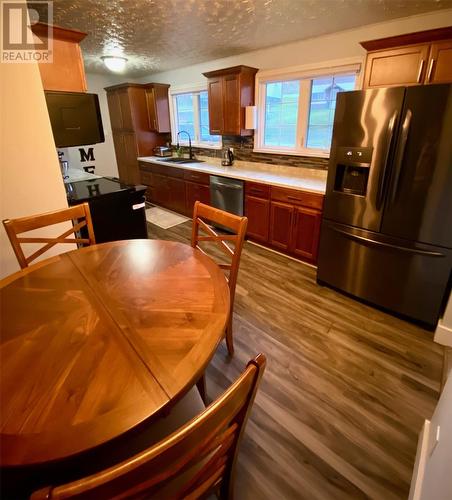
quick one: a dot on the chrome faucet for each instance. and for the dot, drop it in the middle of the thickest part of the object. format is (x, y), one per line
(190, 151)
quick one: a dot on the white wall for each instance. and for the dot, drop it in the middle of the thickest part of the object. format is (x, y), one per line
(30, 177)
(436, 467)
(104, 153)
(339, 45)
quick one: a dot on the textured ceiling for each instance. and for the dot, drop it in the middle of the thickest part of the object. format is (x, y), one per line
(157, 35)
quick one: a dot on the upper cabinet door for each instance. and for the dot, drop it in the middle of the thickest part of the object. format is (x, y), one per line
(402, 66)
(158, 108)
(115, 110)
(440, 63)
(152, 112)
(215, 91)
(126, 111)
(232, 108)
(230, 90)
(66, 72)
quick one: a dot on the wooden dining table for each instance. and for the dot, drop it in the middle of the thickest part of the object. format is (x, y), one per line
(100, 340)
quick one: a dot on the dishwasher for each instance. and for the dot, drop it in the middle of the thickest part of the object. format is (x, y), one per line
(226, 194)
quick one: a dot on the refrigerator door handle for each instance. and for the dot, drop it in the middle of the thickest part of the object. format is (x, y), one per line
(401, 154)
(370, 241)
(384, 172)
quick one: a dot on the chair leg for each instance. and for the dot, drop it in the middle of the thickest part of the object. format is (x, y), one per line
(229, 341)
(201, 385)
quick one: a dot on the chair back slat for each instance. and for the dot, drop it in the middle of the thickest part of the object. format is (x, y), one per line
(79, 215)
(215, 237)
(190, 463)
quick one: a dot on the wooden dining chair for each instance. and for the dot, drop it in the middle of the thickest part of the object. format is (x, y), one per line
(194, 461)
(202, 216)
(78, 214)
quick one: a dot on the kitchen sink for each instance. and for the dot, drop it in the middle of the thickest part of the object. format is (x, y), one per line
(180, 160)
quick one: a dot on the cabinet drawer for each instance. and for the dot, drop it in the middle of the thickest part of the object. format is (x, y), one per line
(200, 177)
(258, 190)
(173, 172)
(147, 178)
(151, 167)
(296, 197)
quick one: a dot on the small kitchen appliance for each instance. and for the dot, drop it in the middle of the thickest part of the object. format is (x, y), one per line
(162, 151)
(228, 157)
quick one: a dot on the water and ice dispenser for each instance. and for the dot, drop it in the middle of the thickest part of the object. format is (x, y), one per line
(352, 170)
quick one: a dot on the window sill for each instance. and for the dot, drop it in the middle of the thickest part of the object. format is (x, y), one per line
(319, 153)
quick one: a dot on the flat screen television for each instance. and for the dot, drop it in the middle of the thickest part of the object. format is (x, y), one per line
(75, 118)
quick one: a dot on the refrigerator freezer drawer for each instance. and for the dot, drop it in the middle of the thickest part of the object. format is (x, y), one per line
(407, 278)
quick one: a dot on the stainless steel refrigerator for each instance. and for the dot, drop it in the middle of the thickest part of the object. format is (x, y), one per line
(386, 234)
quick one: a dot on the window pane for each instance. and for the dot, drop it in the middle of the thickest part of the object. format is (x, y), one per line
(185, 115)
(281, 113)
(204, 119)
(322, 107)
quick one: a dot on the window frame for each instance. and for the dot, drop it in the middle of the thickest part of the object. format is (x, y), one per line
(183, 141)
(305, 74)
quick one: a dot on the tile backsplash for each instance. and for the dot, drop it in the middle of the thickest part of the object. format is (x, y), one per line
(243, 150)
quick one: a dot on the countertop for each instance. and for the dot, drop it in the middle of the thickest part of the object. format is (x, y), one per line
(306, 179)
(76, 175)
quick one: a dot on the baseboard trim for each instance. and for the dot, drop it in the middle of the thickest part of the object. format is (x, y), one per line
(419, 465)
(443, 335)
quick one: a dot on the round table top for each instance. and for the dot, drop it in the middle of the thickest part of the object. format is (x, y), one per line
(98, 340)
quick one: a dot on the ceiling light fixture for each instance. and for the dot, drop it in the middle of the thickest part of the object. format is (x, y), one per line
(115, 63)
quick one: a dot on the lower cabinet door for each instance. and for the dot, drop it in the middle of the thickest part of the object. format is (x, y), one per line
(281, 219)
(176, 194)
(121, 160)
(306, 230)
(196, 192)
(131, 152)
(161, 191)
(258, 212)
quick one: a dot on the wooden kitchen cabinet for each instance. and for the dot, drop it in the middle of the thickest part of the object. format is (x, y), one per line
(114, 108)
(295, 218)
(195, 192)
(177, 199)
(258, 212)
(388, 68)
(257, 209)
(66, 72)
(127, 105)
(230, 91)
(306, 232)
(281, 221)
(440, 63)
(126, 156)
(158, 107)
(215, 92)
(411, 59)
(175, 188)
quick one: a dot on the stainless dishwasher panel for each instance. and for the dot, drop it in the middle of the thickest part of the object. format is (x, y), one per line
(226, 194)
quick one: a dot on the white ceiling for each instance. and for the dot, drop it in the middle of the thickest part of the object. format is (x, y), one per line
(157, 35)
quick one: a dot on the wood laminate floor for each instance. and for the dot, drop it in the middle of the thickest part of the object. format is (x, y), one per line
(345, 392)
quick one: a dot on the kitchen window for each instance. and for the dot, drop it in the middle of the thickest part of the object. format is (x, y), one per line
(190, 112)
(296, 113)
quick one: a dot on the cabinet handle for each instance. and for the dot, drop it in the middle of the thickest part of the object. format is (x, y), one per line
(293, 198)
(419, 74)
(155, 124)
(256, 191)
(430, 69)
